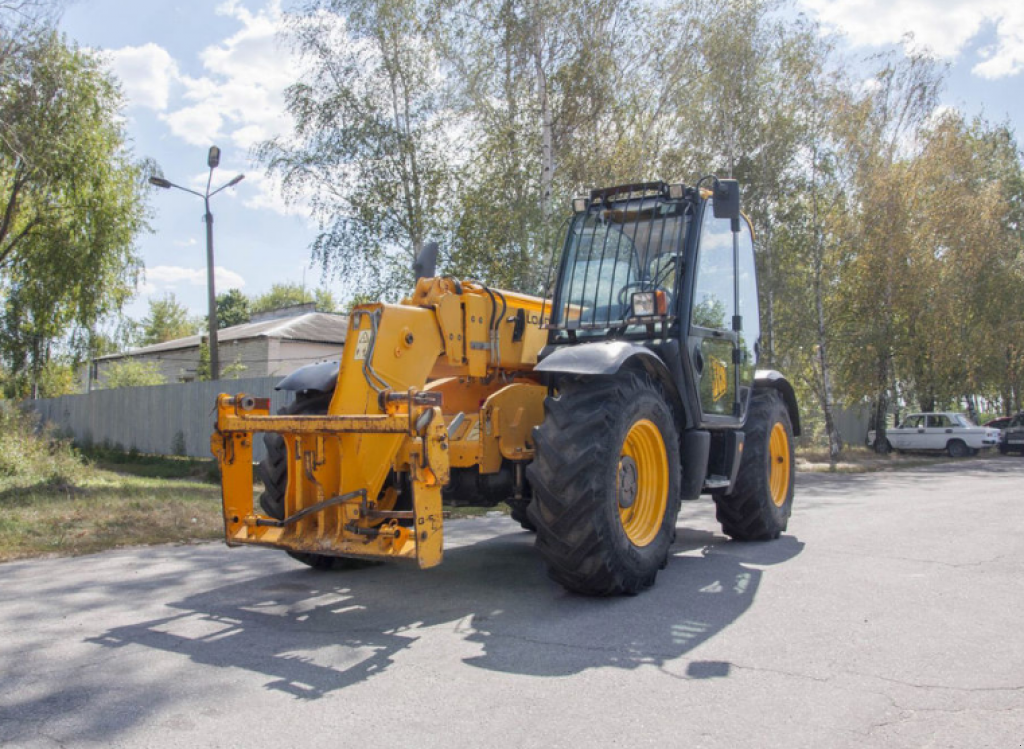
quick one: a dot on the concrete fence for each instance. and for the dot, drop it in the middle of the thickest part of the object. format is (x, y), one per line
(160, 419)
(853, 424)
(178, 419)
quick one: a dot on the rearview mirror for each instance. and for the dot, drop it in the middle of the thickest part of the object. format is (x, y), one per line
(726, 198)
(426, 262)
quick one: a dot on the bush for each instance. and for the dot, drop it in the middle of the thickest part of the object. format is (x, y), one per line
(31, 452)
(133, 373)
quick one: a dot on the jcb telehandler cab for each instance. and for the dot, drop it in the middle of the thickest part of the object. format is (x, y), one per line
(592, 413)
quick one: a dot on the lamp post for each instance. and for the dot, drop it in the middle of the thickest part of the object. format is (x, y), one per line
(212, 160)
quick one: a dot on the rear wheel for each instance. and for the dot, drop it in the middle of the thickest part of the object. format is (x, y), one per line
(273, 470)
(605, 484)
(519, 514)
(957, 449)
(761, 501)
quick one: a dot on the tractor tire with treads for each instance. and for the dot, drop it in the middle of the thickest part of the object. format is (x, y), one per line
(518, 512)
(273, 470)
(759, 506)
(605, 480)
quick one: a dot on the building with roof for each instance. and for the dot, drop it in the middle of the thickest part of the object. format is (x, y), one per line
(270, 344)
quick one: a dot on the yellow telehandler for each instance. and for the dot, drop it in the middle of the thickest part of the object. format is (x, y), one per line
(592, 414)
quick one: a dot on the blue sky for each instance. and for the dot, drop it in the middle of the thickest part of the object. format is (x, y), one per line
(198, 73)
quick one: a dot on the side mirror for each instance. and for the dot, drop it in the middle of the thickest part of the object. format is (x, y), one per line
(426, 262)
(726, 197)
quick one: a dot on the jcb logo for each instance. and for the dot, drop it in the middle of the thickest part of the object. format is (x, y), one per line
(719, 379)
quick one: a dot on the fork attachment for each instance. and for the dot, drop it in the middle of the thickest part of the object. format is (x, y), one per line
(350, 478)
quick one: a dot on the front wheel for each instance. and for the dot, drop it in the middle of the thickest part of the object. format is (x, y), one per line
(605, 484)
(759, 506)
(957, 449)
(273, 470)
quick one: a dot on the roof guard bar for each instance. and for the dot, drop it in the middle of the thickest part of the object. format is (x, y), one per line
(605, 194)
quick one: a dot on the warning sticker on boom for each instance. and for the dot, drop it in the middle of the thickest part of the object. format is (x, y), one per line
(363, 345)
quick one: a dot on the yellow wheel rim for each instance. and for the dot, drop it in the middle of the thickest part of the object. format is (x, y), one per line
(779, 468)
(641, 485)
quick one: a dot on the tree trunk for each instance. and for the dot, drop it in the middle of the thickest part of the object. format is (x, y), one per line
(835, 444)
(547, 172)
(881, 440)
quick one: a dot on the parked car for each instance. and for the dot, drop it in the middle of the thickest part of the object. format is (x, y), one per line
(1012, 438)
(952, 432)
(1000, 422)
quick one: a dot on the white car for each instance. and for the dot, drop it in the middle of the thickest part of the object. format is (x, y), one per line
(954, 433)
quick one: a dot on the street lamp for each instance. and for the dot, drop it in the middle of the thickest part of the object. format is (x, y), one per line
(213, 161)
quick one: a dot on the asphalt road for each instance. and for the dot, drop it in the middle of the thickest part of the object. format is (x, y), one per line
(892, 615)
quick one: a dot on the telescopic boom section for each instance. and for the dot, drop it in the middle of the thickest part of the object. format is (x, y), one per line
(441, 381)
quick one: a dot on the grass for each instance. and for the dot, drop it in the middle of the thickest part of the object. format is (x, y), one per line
(55, 500)
(863, 460)
(152, 466)
(103, 510)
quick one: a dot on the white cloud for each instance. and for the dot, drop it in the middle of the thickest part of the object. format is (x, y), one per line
(268, 197)
(169, 276)
(146, 74)
(945, 27)
(198, 125)
(238, 101)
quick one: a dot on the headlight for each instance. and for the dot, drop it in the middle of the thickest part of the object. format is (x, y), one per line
(649, 303)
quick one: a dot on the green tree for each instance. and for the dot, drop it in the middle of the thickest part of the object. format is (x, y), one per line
(881, 294)
(535, 86)
(168, 319)
(370, 142)
(130, 372)
(71, 198)
(967, 333)
(232, 309)
(288, 294)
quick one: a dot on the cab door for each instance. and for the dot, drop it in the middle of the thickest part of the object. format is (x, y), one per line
(724, 332)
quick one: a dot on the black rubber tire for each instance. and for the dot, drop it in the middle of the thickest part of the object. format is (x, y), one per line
(574, 477)
(518, 512)
(957, 449)
(1003, 450)
(273, 470)
(748, 513)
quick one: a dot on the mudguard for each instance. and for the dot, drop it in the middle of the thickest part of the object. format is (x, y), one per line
(773, 379)
(320, 377)
(598, 358)
(607, 358)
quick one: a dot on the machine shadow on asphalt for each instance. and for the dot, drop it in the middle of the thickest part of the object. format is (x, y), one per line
(314, 633)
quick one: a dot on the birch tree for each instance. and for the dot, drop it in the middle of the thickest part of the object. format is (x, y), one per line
(370, 148)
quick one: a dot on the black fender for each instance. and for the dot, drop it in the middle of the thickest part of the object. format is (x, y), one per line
(598, 358)
(607, 358)
(769, 378)
(321, 377)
